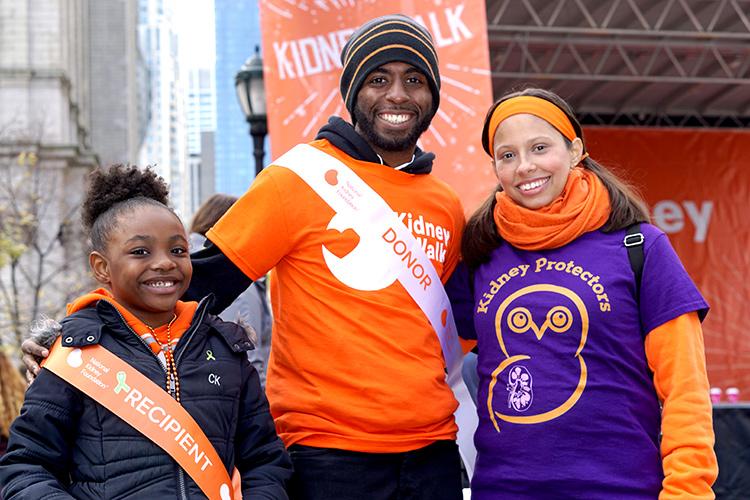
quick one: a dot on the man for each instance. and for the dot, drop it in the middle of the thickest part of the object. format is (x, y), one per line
(356, 379)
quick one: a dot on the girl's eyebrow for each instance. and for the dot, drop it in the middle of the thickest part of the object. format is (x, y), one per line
(144, 237)
(139, 237)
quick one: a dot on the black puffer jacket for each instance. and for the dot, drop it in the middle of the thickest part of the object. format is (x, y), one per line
(64, 444)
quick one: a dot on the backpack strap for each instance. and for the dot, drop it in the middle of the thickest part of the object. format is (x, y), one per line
(633, 241)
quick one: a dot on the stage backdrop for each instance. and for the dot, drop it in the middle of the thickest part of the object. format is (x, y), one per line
(302, 42)
(697, 184)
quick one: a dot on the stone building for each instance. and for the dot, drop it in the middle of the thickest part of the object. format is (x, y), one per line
(69, 96)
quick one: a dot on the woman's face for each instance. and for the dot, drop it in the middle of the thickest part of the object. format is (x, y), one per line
(533, 160)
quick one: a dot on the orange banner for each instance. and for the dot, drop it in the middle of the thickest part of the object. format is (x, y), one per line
(697, 183)
(302, 43)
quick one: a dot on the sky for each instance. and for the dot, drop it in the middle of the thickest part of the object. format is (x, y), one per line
(194, 23)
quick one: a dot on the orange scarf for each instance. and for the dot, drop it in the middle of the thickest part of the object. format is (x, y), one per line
(583, 206)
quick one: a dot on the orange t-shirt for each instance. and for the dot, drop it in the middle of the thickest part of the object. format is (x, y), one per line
(349, 369)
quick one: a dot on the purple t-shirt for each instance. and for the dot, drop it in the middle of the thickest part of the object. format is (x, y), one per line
(567, 406)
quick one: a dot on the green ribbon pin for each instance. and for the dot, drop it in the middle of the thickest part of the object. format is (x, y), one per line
(121, 385)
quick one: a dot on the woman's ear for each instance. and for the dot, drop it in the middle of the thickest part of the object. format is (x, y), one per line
(576, 151)
(100, 267)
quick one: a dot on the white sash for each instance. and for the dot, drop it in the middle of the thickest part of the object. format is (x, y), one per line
(365, 211)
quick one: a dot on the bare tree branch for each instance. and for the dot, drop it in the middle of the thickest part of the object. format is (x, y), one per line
(41, 266)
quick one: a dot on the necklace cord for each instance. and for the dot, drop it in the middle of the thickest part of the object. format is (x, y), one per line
(172, 380)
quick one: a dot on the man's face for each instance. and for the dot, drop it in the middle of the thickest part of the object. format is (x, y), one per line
(393, 108)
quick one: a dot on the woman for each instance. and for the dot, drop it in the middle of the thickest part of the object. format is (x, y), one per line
(574, 360)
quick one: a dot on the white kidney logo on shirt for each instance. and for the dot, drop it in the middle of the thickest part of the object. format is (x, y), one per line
(370, 266)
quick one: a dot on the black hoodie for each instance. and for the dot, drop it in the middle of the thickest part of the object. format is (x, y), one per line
(342, 135)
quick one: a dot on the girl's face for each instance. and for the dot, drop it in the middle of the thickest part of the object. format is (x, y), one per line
(533, 160)
(146, 264)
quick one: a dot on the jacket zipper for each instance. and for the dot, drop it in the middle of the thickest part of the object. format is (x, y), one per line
(189, 333)
(188, 336)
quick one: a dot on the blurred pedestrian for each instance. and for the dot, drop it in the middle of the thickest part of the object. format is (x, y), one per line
(252, 307)
(12, 389)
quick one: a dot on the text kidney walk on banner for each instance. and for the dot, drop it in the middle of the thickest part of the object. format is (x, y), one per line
(301, 66)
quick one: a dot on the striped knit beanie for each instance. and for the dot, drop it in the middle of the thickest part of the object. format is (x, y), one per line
(393, 38)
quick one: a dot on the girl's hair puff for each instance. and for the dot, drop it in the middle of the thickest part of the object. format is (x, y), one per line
(115, 190)
(480, 236)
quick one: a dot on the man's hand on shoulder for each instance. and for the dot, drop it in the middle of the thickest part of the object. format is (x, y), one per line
(33, 353)
(43, 334)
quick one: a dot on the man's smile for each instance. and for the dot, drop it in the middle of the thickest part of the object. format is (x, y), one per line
(395, 118)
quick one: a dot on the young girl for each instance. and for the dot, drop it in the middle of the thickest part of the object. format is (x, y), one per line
(579, 371)
(67, 444)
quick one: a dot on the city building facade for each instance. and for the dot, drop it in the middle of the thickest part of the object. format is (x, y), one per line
(201, 121)
(45, 153)
(237, 34)
(119, 82)
(165, 144)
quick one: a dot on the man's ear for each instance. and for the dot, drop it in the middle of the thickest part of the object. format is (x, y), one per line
(100, 267)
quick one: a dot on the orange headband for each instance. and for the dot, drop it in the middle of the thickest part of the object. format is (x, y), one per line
(526, 104)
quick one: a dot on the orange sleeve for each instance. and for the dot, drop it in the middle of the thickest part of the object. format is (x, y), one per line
(254, 233)
(467, 344)
(676, 356)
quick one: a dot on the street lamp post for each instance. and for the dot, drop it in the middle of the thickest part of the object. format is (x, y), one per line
(252, 96)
